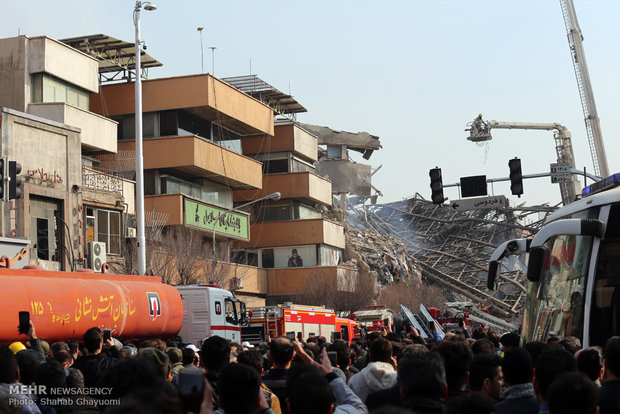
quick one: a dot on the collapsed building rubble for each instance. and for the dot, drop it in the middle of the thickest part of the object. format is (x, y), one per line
(383, 256)
(347, 177)
(450, 247)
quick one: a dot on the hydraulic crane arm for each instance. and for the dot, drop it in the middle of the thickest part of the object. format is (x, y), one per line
(480, 130)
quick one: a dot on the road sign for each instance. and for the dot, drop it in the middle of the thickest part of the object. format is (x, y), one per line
(560, 172)
(479, 203)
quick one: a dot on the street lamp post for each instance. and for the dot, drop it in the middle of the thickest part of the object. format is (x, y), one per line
(273, 196)
(141, 239)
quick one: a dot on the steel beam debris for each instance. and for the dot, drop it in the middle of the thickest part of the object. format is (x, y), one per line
(450, 247)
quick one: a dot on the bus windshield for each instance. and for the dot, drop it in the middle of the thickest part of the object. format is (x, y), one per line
(554, 305)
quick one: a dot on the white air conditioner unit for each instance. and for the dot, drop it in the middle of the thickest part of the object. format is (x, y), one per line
(131, 232)
(97, 255)
(236, 283)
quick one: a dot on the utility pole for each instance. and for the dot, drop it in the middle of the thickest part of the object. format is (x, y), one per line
(202, 57)
(212, 59)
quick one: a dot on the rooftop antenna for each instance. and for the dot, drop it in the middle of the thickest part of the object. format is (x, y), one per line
(212, 59)
(202, 57)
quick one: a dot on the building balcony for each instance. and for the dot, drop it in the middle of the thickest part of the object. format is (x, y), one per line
(287, 138)
(180, 210)
(46, 55)
(302, 185)
(203, 95)
(294, 281)
(294, 233)
(98, 133)
(103, 188)
(194, 156)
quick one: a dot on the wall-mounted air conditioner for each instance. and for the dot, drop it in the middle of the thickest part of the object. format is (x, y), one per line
(97, 255)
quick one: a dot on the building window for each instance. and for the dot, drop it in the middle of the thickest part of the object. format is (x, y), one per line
(47, 88)
(286, 210)
(104, 226)
(205, 190)
(275, 166)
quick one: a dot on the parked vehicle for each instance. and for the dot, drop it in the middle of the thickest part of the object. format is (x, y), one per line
(296, 321)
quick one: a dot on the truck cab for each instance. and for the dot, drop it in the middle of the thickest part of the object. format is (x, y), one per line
(209, 310)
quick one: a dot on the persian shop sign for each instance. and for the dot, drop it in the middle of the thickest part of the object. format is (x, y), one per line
(203, 216)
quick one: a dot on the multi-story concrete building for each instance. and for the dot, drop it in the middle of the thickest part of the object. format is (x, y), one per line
(290, 238)
(47, 127)
(193, 127)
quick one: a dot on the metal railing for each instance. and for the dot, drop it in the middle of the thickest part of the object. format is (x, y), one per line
(98, 180)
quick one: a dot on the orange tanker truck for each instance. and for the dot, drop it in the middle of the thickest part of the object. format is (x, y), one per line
(63, 305)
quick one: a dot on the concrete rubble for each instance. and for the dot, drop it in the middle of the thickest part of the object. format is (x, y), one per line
(414, 239)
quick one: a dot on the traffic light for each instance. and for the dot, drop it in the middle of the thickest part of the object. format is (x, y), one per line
(15, 183)
(436, 186)
(2, 177)
(516, 178)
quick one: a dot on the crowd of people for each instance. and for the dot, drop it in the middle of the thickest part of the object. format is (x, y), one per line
(466, 372)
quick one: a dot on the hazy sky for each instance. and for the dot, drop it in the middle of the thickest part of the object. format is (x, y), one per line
(411, 72)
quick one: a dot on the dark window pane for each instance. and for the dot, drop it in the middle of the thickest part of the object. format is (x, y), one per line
(268, 260)
(168, 123)
(275, 166)
(43, 252)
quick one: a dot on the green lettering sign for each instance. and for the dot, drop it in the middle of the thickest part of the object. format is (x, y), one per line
(203, 216)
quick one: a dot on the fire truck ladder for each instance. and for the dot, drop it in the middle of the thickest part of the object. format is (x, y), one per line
(417, 322)
(429, 318)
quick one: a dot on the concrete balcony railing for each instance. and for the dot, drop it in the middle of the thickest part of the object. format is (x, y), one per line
(295, 233)
(197, 157)
(293, 280)
(180, 210)
(287, 138)
(203, 95)
(98, 133)
(302, 185)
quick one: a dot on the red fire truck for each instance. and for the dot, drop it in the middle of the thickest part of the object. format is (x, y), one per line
(296, 321)
(373, 317)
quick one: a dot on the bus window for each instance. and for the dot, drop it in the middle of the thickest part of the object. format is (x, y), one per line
(555, 304)
(231, 312)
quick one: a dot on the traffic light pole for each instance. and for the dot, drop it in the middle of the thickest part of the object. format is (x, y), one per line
(573, 171)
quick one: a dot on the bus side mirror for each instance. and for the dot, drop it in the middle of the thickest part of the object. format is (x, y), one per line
(493, 274)
(535, 264)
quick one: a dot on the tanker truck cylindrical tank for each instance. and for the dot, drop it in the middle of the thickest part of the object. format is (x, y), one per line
(63, 305)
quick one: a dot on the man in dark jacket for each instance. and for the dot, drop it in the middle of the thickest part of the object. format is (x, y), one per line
(519, 396)
(97, 360)
(281, 353)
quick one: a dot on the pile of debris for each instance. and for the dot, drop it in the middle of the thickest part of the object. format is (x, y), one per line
(383, 256)
(414, 238)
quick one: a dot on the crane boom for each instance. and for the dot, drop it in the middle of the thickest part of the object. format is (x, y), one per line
(480, 130)
(593, 126)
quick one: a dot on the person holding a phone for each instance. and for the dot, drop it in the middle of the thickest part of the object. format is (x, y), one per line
(101, 356)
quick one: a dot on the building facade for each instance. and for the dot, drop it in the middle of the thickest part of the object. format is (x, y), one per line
(48, 128)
